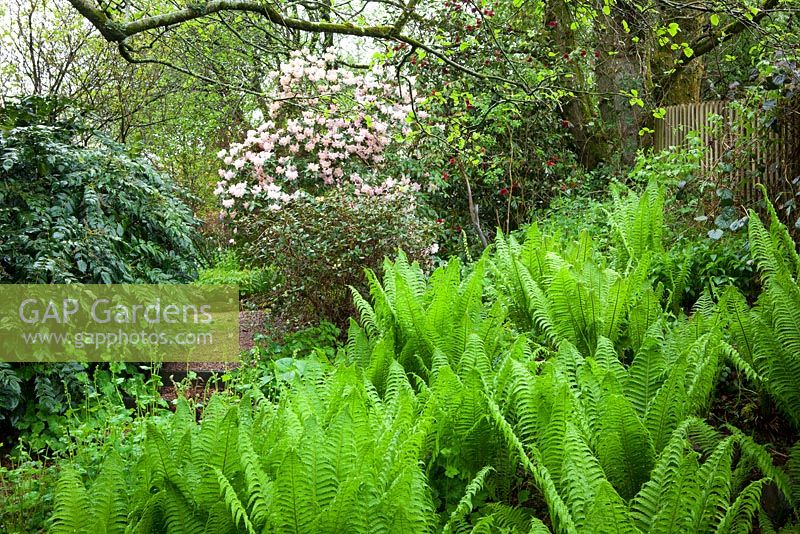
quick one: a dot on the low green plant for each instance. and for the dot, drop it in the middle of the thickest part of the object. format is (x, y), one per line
(27, 489)
(767, 336)
(53, 404)
(227, 270)
(546, 387)
(322, 338)
(277, 359)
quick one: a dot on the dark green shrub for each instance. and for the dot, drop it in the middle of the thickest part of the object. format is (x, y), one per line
(75, 207)
(321, 246)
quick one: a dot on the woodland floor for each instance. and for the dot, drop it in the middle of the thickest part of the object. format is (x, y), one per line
(251, 323)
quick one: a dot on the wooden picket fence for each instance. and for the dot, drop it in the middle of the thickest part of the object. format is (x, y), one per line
(739, 153)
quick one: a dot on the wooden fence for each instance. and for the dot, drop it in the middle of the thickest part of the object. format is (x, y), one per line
(739, 153)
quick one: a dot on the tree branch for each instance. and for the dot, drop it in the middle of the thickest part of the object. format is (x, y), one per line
(709, 41)
(706, 43)
(118, 32)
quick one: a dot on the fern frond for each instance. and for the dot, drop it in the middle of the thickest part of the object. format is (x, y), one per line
(624, 446)
(465, 504)
(71, 503)
(739, 517)
(232, 502)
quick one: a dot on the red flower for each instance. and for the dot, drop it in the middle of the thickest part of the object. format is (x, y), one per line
(552, 24)
(458, 229)
(440, 221)
(565, 56)
(583, 53)
(551, 162)
(504, 191)
(452, 161)
(445, 175)
(565, 124)
(597, 53)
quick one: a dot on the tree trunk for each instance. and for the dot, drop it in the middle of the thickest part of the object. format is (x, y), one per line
(618, 70)
(591, 144)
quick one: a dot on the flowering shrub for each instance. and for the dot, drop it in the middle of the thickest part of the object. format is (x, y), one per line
(328, 127)
(315, 190)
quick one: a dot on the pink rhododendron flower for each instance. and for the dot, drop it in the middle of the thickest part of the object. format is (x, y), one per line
(329, 125)
(238, 190)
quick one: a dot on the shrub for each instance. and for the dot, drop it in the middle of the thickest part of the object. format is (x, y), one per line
(322, 245)
(74, 207)
(314, 190)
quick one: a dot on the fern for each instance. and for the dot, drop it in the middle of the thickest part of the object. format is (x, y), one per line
(768, 335)
(465, 505)
(552, 362)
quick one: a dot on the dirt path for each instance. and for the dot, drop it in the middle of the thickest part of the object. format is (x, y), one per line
(251, 322)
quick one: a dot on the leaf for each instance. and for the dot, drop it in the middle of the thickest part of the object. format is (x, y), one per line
(624, 447)
(673, 29)
(714, 19)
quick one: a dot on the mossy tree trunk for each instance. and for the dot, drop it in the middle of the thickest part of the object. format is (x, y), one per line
(580, 109)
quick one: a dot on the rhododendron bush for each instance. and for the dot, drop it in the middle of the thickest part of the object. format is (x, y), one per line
(328, 128)
(316, 190)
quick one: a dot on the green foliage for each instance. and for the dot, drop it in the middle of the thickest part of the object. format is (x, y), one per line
(672, 167)
(321, 245)
(547, 387)
(226, 270)
(277, 360)
(638, 223)
(323, 338)
(331, 456)
(74, 207)
(106, 416)
(51, 405)
(767, 336)
(26, 492)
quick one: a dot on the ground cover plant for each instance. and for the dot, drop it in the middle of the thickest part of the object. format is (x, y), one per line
(548, 386)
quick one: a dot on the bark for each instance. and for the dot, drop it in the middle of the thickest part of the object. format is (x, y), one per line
(616, 73)
(590, 139)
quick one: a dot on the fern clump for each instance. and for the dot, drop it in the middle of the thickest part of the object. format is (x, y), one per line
(767, 336)
(548, 387)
